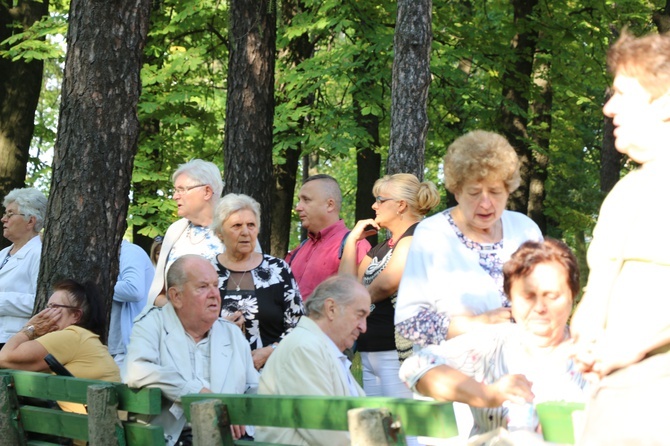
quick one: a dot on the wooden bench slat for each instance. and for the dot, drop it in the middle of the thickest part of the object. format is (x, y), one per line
(54, 422)
(425, 418)
(64, 388)
(143, 434)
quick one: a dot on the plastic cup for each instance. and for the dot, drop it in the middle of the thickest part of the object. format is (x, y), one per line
(556, 420)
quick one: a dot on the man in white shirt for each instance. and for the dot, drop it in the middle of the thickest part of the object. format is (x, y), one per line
(185, 347)
(310, 360)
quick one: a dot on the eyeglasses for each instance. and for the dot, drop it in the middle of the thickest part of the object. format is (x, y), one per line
(71, 307)
(183, 190)
(158, 239)
(10, 214)
(379, 199)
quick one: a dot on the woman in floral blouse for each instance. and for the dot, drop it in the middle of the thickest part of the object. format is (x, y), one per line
(453, 278)
(258, 291)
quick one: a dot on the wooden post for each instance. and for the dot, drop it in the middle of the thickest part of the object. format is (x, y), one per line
(374, 427)
(104, 426)
(210, 422)
(11, 431)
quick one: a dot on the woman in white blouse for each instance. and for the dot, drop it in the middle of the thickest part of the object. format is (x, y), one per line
(197, 190)
(529, 360)
(20, 263)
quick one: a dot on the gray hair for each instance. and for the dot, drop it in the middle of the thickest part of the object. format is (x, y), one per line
(338, 288)
(330, 187)
(230, 204)
(177, 274)
(202, 172)
(31, 202)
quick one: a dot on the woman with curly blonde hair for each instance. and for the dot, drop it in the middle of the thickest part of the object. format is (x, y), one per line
(453, 279)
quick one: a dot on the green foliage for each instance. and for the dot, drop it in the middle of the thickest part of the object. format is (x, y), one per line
(32, 43)
(320, 99)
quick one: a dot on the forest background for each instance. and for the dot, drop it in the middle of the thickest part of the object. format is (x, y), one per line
(532, 70)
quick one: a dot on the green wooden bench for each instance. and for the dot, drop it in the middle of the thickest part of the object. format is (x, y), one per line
(21, 417)
(416, 418)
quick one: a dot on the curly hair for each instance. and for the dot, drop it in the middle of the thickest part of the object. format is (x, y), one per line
(480, 155)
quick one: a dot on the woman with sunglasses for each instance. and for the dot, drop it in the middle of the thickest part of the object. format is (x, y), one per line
(401, 203)
(71, 329)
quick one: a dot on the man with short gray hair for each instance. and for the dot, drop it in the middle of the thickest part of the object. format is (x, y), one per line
(309, 361)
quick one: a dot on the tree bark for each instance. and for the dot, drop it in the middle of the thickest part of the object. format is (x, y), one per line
(411, 80)
(96, 144)
(516, 86)
(247, 152)
(611, 159)
(20, 84)
(541, 134)
(297, 51)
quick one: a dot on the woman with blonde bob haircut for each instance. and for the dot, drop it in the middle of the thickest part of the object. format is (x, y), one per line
(258, 291)
(401, 202)
(453, 280)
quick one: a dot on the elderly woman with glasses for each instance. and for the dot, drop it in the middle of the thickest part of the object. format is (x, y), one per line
(22, 221)
(71, 329)
(197, 189)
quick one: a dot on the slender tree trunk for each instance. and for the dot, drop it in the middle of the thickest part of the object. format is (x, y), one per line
(297, 51)
(96, 144)
(20, 84)
(247, 151)
(517, 80)
(541, 135)
(611, 159)
(411, 79)
(661, 18)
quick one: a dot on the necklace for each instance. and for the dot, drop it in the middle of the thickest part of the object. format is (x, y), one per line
(190, 234)
(237, 284)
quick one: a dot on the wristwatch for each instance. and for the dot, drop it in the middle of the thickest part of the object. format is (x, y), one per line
(29, 330)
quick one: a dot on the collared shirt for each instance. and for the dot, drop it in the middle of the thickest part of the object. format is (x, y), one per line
(318, 258)
(346, 366)
(199, 356)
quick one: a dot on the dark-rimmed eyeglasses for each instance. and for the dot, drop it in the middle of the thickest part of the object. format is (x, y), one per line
(10, 214)
(182, 190)
(379, 199)
(71, 307)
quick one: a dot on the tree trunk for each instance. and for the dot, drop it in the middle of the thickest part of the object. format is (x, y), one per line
(96, 144)
(541, 134)
(297, 51)
(516, 86)
(661, 18)
(20, 84)
(610, 158)
(247, 151)
(411, 79)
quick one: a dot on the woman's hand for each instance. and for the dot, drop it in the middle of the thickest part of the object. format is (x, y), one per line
(514, 388)
(45, 321)
(360, 232)
(238, 319)
(260, 356)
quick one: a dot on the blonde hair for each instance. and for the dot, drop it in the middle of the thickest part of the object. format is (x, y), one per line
(420, 197)
(480, 155)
